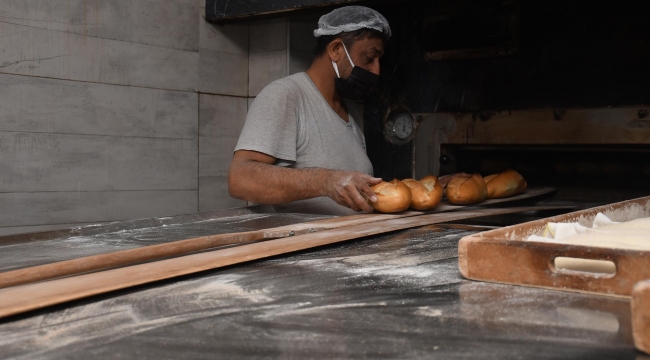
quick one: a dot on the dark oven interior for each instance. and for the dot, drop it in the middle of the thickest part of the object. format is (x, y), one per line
(555, 89)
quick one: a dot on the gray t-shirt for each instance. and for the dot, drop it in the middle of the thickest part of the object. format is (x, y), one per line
(291, 121)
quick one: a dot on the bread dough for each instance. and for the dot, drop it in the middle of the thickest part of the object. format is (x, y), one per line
(633, 235)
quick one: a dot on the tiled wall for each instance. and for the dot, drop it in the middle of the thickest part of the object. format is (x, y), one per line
(223, 83)
(119, 109)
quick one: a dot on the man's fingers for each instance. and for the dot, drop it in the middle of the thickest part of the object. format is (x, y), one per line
(367, 191)
(360, 201)
(370, 180)
(349, 202)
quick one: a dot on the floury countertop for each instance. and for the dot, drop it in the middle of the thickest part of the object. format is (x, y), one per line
(397, 295)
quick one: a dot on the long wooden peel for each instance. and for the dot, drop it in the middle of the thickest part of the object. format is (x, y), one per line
(19, 299)
(178, 248)
(183, 247)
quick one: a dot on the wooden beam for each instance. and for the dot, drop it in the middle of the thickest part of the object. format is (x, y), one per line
(625, 125)
(20, 299)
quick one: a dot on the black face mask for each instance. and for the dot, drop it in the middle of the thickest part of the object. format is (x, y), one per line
(358, 85)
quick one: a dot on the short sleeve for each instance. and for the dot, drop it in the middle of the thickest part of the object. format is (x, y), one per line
(271, 124)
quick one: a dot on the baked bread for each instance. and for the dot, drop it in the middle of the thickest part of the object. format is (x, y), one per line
(425, 193)
(392, 196)
(466, 190)
(504, 184)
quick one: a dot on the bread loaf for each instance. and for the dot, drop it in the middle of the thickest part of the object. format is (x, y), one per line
(466, 190)
(425, 193)
(504, 184)
(392, 196)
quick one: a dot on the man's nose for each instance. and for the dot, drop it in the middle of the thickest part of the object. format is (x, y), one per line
(375, 67)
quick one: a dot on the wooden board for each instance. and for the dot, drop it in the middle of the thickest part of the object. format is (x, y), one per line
(182, 247)
(178, 248)
(527, 194)
(501, 256)
(641, 316)
(19, 299)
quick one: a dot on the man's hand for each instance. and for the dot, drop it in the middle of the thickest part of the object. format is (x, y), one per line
(444, 180)
(252, 177)
(348, 189)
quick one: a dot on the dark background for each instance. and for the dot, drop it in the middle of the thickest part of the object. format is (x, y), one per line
(553, 54)
(562, 54)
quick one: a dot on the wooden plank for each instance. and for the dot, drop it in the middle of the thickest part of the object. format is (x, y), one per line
(125, 20)
(176, 248)
(641, 316)
(588, 126)
(58, 162)
(53, 54)
(97, 228)
(35, 208)
(532, 264)
(552, 126)
(28, 297)
(527, 194)
(503, 256)
(30, 104)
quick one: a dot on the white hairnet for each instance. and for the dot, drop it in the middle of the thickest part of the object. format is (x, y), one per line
(351, 18)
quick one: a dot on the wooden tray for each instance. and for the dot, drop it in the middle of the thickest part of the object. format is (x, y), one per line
(641, 316)
(527, 194)
(501, 256)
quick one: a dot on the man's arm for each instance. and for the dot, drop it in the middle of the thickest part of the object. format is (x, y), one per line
(253, 177)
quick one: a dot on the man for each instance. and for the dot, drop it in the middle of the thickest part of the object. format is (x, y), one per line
(301, 149)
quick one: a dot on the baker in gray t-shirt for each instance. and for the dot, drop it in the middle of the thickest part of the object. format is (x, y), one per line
(302, 148)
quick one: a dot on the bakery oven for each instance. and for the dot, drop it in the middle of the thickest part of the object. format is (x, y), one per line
(556, 90)
(589, 155)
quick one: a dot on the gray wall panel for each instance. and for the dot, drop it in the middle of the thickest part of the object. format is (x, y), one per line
(45, 208)
(172, 25)
(55, 162)
(227, 38)
(31, 104)
(264, 68)
(223, 73)
(211, 190)
(37, 52)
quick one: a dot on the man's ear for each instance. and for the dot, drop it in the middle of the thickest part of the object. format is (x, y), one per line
(334, 49)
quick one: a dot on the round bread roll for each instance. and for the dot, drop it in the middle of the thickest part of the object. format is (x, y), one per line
(504, 184)
(392, 196)
(466, 190)
(426, 193)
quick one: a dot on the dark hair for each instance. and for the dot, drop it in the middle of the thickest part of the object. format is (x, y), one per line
(348, 38)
